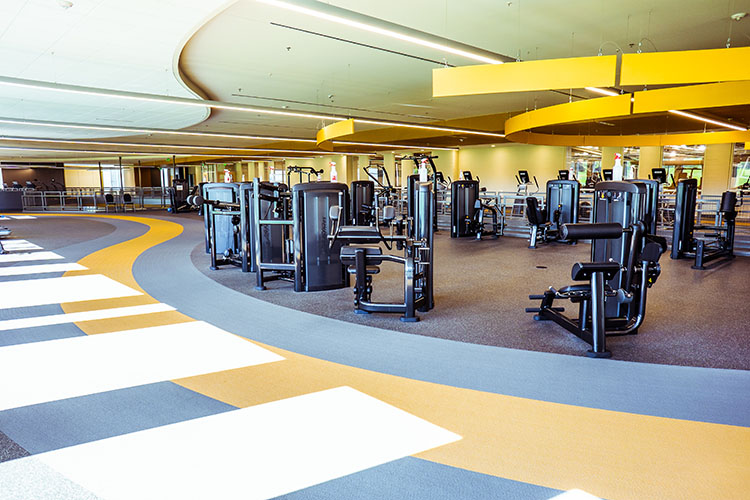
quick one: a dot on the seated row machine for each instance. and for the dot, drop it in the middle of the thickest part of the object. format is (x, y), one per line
(561, 208)
(362, 254)
(624, 264)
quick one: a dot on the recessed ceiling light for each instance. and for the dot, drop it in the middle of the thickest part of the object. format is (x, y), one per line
(65, 4)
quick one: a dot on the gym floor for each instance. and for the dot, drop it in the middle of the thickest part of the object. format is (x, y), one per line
(122, 378)
(693, 318)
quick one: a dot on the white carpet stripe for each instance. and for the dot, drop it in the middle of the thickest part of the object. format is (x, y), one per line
(59, 369)
(60, 290)
(41, 268)
(21, 257)
(23, 217)
(257, 452)
(16, 245)
(58, 319)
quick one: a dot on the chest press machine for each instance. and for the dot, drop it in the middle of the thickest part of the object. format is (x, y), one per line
(362, 255)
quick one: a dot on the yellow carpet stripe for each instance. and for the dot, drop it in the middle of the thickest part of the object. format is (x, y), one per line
(611, 454)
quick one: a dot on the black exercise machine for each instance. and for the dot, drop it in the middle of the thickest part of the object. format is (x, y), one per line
(417, 259)
(437, 178)
(310, 171)
(384, 194)
(684, 242)
(561, 207)
(659, 174)
(363, 203)
(279, 234)
(469, 212)
(624, 264)
(178, 193)
(302, 214)
(222, 217)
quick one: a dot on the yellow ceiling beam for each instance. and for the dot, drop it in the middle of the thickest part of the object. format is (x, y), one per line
(687, 66)
(659, 68)
(335, 130)
(576, 72)
(571, 112)
(519, 128)
(710, 95)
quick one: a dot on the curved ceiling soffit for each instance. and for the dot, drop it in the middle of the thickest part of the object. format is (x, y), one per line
(189, 84)
(728, 66)
(520, 128)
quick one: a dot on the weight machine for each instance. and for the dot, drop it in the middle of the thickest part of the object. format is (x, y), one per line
(624, 264)
(364, 261)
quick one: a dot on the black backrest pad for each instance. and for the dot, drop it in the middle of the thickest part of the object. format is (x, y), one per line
(624, 203)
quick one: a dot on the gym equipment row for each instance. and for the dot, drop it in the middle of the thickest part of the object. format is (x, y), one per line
(624, 264)
(413, 234)
(279, 234)
(719, 243)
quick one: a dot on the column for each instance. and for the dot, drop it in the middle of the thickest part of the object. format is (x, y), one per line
(650, 157)
(717, 168)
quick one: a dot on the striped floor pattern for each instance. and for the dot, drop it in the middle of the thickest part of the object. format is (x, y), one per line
(258, 452)
(113, 393)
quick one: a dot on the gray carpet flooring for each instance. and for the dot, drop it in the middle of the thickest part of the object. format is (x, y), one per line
(693, 318)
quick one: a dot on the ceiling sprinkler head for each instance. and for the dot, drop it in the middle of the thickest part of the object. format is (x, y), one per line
(738, 16)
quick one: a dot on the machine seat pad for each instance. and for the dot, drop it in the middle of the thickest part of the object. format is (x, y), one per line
(369, 269)
(359, 232)
(582, 271)
(348, 255)
(575, 289)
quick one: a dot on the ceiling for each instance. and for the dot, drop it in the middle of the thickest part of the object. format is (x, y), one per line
(261, 55)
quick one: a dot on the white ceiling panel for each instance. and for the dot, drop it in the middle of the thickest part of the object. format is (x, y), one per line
(99, 43)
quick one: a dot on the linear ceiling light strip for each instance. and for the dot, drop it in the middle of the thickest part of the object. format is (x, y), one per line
(112, 128)
(154, 153)
(699, 118)
(172, 146)
(374, 25)
(59, 87)
(429, 127)
(137, 96)
(395, 146)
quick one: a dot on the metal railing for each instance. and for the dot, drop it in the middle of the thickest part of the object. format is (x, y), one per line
(89, 199)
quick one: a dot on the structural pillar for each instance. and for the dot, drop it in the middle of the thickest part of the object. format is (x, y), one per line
(717, 168)
(650, 157)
